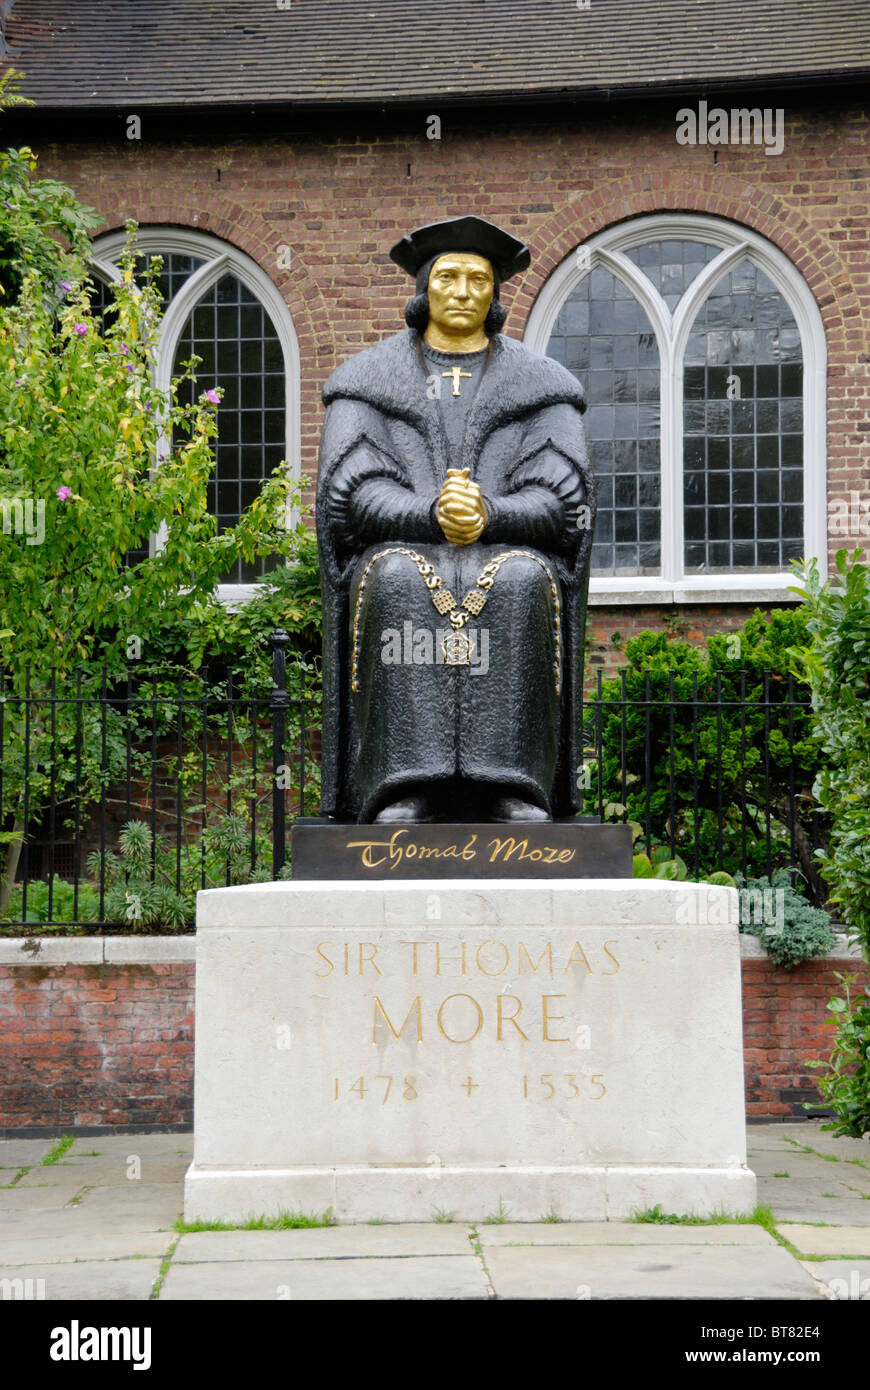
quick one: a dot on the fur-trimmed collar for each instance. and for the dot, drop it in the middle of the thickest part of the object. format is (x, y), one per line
(392, 376)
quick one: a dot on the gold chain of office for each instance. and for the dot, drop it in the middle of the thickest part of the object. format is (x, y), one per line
(456, 646)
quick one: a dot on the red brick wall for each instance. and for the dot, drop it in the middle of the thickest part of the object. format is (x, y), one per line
(339, 196)
(783, 1028)
(609, 628)
(96, 1045)
(113, 1044)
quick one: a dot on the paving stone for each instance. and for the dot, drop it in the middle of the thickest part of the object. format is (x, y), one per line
(136, 1207)
(828, 1240)
(327, 1242)
(109, 1279)
(805, 1203)
(79, 1223)
(51, 1196)
(766, 1138)
(417, 1277)
(831, 1173)
(798, 1165)
(815, 1137)
(848, 1280)
(676, 1272)
(112, 1172)
(20, 1153)
(110, 1146)
(609, 1233)
(83, 1245)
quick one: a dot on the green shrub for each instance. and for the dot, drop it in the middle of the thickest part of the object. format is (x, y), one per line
(835, 663)
(63, 904)
(154, 885)
(845, 1084)
(788, 927)
(767, 757)
(660, 863)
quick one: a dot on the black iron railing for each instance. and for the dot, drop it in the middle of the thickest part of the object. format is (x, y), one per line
(120, 799)
(181, 784)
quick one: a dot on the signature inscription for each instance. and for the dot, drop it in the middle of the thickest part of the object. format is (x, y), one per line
(500, 849)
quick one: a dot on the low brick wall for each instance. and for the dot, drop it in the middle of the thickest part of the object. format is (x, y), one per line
(784, 1027)
(98, 1031)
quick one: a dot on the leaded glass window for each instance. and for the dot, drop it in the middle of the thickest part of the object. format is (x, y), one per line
(604, 336)
(672, 265)
(223, 309)
(742, 429)
(175, 271)
(233, 335)
(692, 354)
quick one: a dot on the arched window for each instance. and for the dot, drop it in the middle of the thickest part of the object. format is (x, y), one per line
(701, 350)
(221, 307)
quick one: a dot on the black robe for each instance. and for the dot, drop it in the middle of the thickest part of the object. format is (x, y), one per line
(383, 457)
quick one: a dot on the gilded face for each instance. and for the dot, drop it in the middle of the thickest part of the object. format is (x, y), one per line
(460, 292)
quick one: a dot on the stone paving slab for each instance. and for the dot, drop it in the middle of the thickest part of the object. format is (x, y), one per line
(49, 1197)
(607, 1233)
(846, 1280)
(678, 1272)
(157, 1205)
(19, 1153)
(812, 1134)
(79, 1223)
(791, 1202)
(325, 1242)
(112, 1172)
(117, 1146)
(800, 1167)
(67, 1248)
(92, 1279)
(357, 1280)
(831, 1175)
(828, 1240)
(47, 1178)
(767, 1139)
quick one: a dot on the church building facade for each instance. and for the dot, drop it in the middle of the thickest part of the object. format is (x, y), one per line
(694, 197)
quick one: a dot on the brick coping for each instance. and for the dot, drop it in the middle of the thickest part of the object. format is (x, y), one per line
(157, 950)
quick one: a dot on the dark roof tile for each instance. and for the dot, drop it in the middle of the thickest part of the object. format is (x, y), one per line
(96, 53)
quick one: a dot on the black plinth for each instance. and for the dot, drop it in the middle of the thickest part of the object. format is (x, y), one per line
(558, 849)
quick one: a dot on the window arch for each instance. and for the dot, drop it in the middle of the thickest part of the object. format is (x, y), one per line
(702, 352)
(221, 306)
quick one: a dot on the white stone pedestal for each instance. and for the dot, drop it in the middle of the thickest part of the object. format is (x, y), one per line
(395, 1049)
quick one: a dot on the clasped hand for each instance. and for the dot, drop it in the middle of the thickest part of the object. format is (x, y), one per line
(460, 510)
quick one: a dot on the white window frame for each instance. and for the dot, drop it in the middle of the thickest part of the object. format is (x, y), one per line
(220, 258)
(607, 249)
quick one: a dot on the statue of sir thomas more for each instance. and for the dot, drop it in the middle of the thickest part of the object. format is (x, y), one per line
(455, 508)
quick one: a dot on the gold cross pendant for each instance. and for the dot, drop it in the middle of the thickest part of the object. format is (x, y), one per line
(456, 372)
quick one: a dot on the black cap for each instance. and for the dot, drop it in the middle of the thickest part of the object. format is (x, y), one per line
(506, 254)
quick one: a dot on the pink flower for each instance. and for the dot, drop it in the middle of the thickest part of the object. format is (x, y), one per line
(213, 397)
(64, 493)
(80, 329)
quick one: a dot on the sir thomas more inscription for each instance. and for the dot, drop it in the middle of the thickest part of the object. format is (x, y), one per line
(524, 998)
